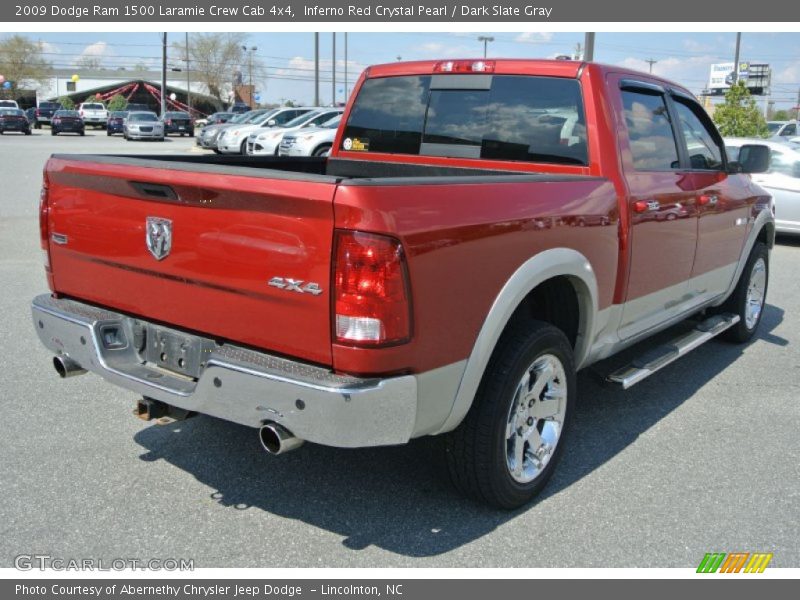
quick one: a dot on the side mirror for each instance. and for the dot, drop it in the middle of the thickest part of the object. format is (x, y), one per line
(272, 123)
(754, 158)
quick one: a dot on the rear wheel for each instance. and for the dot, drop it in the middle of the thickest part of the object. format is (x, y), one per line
(53, 132)
(83, 132)
(749, 297)
(508, 445)
(243, 148)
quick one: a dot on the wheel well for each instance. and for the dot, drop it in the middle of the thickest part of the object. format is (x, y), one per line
(554, 301)
(767, 235)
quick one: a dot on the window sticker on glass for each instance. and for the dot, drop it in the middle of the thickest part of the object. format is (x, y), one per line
(356, 144)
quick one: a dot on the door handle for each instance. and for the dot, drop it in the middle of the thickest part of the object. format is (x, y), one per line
(708, 200)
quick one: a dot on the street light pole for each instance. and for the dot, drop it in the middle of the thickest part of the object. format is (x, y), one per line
(163, 73)
(736, 59)
(588, 46)
(316, 69)
(345, 67)
(188, 78)
(651, 62)
(333, 69)
(485, 39)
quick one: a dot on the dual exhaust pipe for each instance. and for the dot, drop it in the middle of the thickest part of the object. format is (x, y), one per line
(274, 438)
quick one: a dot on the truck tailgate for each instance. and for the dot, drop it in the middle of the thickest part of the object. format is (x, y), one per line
(232, 231)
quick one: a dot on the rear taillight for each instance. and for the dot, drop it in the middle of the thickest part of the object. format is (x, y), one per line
(169, 121)
(371, 302)
(38, 113)
(44, 224)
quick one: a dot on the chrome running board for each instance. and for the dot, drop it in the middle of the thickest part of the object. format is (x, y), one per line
(658, 358)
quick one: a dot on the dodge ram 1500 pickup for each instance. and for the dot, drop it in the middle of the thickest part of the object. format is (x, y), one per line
(480, 232)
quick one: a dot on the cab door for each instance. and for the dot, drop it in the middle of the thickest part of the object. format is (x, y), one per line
(662, 208)
(724, 204)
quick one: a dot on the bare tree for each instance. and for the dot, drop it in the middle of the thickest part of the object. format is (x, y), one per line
(213, 59)
(23, 64)
(89, 62)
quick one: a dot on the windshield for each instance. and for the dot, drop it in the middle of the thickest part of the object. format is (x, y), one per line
(66, 113)
(119, 114)
(94, 107)
(298, 121)
(178, 115)
(146, 117)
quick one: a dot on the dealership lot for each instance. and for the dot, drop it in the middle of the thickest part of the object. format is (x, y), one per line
(701, 457)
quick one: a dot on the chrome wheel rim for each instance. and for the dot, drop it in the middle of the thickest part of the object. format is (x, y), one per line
(536, 418)
(756, 290)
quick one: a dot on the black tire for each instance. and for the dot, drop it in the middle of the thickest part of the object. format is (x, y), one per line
(476, 452)
(38, 125)
(83, 132)
(108, 132)
(243, 148)
(28, 132)
(53, 132)
(737, 302)
(322, 150)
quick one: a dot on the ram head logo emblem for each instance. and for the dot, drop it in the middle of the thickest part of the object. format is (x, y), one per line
(159, 237)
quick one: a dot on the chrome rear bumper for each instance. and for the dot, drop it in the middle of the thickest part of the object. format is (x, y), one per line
(238, 384)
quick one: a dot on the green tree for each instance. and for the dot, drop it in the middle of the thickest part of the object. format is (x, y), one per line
(23, 64)
(738, 115)
(781, 115)
(117, 102)
(66, 102)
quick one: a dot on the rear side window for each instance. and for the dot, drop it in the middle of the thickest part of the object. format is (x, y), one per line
(519, 118)
(650, 134)
(790, 129)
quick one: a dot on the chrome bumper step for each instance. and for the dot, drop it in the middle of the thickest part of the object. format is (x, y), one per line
(656, 359)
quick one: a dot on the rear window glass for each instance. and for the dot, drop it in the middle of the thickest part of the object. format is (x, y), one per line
(519, 118)
(94, 107)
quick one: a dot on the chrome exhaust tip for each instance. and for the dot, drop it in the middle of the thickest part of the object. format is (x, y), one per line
(277, 440)
(66, 367)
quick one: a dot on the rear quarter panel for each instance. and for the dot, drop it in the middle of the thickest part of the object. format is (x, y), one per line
(463, 242)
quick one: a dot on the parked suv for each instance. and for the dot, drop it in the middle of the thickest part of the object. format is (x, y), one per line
(782, 130)
(209, 136)
(45, 111)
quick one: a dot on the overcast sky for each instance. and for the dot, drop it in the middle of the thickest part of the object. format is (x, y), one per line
(288, 57)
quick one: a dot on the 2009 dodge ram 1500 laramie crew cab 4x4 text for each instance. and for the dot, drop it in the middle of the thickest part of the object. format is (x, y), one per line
(481, 231)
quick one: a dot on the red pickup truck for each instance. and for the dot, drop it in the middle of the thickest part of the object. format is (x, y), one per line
(481, 231)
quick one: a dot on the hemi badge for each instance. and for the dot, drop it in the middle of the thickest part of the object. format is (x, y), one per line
(59, 238)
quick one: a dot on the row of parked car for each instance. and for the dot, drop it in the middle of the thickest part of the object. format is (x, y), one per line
(284, 131)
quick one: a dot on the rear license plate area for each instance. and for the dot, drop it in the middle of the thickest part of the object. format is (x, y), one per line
(177, 352)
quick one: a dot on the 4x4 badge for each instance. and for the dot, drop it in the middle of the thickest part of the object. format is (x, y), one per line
(296, 285)
(159, 237)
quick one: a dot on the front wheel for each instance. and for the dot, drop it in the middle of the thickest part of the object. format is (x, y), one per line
(322, 151)
(749, 296)
(509, 444)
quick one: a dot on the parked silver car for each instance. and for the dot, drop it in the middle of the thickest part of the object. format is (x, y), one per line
(209, 135)
(234, 140)
(143, 126)
(266, 142)
(311, 142)
(782, 180)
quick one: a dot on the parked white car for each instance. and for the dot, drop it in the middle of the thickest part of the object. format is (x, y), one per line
(233, 140)
(265, 143)
(94, 113)
(782, 130)
(8, 104)
(312, 142)
(782, 180)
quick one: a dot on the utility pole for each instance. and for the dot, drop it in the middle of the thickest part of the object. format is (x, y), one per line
(345, 67)
(736, 59)
(588, 43)
(797, 113)
(188, 78)
(316, 69)
(485, 39)
(333, 70)
(651, 62)
(163, 73)
(250, 51)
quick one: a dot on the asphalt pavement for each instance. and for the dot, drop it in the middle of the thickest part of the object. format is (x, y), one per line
(702, 457)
